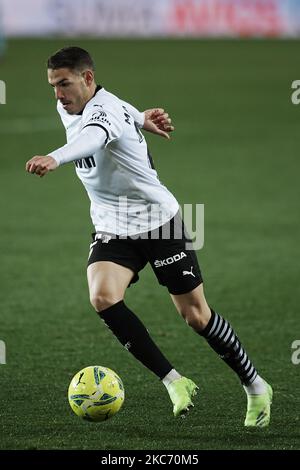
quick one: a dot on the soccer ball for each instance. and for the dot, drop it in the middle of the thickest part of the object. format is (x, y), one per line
(96, 393)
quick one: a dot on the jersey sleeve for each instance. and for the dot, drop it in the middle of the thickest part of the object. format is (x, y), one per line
(86, 143)
(139, 118)
(108, 118)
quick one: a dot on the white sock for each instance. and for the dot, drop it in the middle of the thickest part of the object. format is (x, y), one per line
(170, 377)
(258, 387)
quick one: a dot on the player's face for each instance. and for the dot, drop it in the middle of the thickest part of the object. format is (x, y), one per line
(72, 88)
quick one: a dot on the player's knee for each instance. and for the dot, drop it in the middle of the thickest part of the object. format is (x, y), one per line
(196, 317)
(102, 301)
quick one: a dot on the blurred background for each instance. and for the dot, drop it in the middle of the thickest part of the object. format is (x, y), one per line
(158, 18)
(223, 69)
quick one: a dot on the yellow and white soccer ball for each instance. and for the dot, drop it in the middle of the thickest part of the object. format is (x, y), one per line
(96, 393)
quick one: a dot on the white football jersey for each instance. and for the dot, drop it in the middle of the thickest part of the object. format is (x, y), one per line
(126, 195)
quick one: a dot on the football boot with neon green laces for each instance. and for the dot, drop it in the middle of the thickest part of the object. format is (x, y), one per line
(181, 392)
(259, 409)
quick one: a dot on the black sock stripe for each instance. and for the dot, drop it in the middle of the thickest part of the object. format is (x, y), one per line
(229, 333)
(248, 378)
(232, 339)
(242, 357)
(236, 346)
(215, 321)
(250, 371)
(252, 378)
(222, 332)
(217, 329)
(222, 338)
(247, 366)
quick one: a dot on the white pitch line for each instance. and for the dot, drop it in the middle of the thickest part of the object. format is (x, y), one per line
(29, 125)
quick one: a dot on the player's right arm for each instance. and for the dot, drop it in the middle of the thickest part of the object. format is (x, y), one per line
(86, 143)
(99, 127)
(41, 164)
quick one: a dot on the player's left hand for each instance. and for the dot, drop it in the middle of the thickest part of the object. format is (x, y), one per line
(40, 165)
(158, 122)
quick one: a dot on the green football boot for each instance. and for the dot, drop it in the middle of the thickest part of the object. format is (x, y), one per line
(181, 392)
(259, 409)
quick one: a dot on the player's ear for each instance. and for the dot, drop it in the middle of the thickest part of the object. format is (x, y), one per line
(88, 77)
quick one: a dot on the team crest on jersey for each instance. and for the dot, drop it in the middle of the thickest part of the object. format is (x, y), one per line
(158, 263)
(99, 116)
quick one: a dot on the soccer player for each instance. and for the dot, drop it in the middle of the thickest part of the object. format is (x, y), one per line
(137, 221)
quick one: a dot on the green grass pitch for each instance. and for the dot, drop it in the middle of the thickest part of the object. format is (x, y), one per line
(236, 150)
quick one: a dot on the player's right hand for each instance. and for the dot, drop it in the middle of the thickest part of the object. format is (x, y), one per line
(40, 165)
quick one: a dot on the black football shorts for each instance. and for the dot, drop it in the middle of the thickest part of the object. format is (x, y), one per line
(165, 248)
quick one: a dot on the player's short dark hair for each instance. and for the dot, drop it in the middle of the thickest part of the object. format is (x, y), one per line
(71, 57)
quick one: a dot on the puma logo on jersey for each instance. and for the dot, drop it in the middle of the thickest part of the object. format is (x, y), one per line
(185, 273)
(158, 263)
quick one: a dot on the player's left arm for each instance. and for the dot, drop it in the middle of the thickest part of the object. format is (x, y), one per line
(154, 120)
(158, 122)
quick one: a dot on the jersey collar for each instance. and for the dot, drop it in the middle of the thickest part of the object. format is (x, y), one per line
(98, 88)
